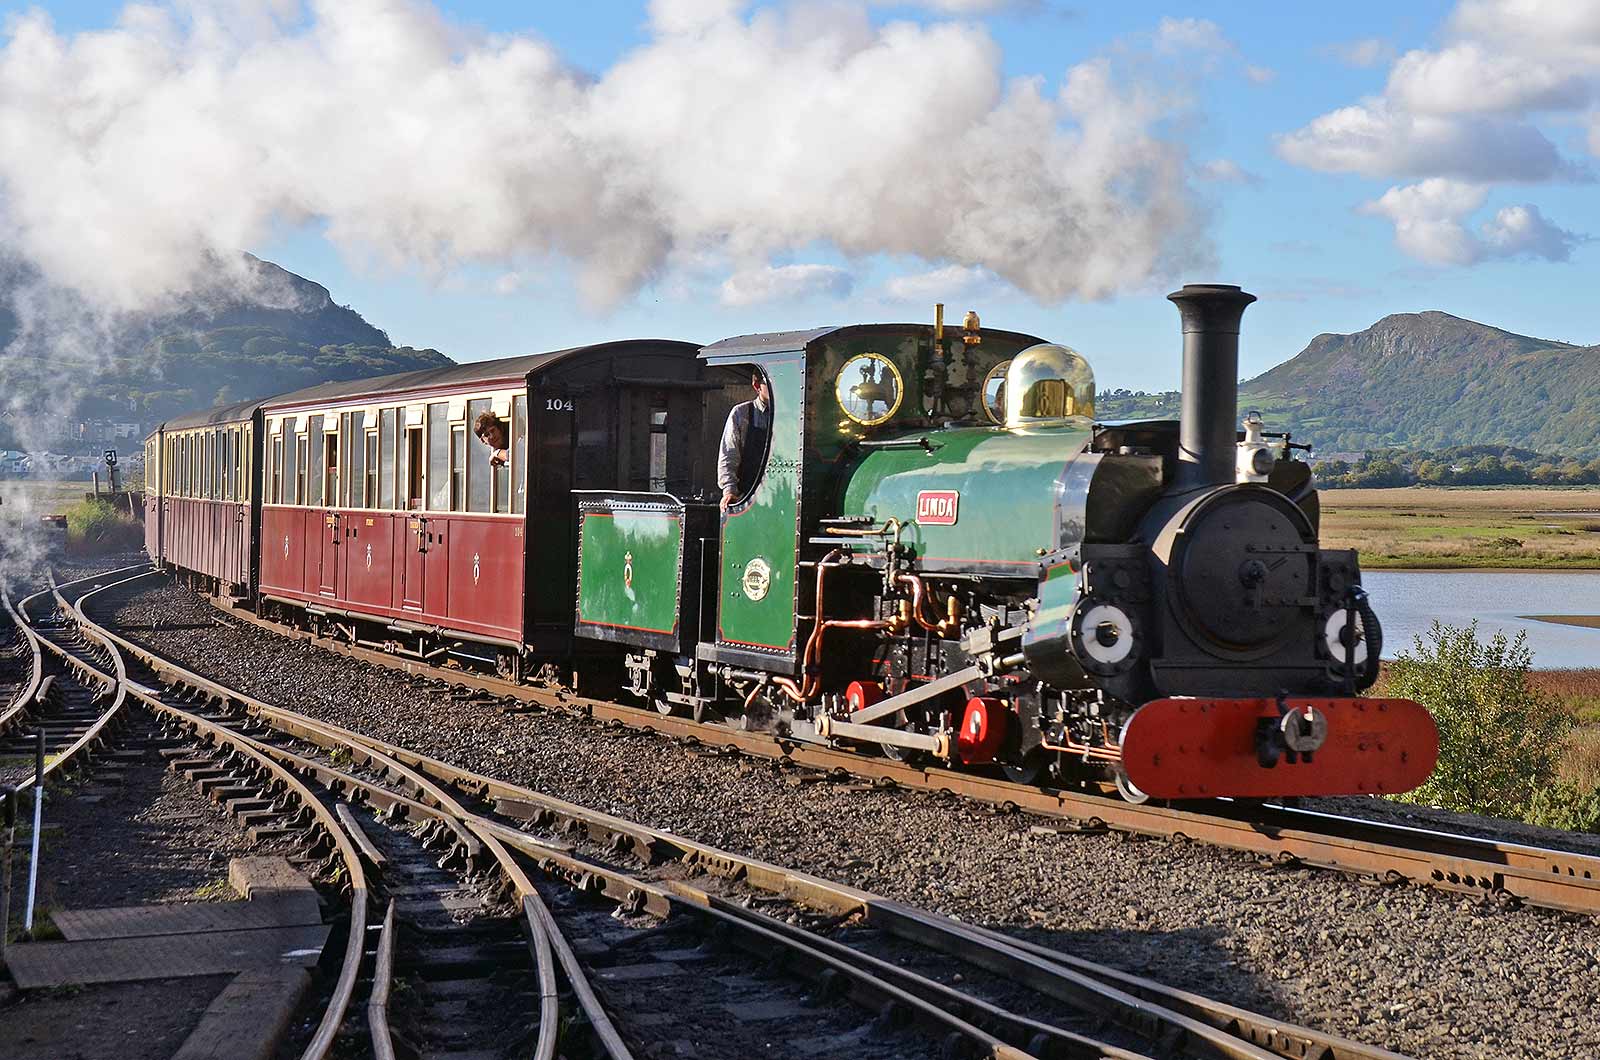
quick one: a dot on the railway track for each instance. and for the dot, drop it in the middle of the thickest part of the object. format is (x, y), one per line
(844, 948)
(71, 694)
(1390, 853)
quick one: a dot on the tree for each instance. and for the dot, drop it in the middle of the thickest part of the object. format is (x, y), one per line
(1499, 738)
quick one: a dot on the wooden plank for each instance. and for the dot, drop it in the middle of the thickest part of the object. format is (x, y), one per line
(249, 1018)
(285, 909)
(268, 873)
(45, 964)
(368, 849)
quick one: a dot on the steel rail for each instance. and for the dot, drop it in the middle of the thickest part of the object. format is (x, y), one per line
(546, 947)
(1133, 997)
(1485, 868)
(223, 738)
(30, 688)
(378, 998)
(1205, 1028)
(84, 673)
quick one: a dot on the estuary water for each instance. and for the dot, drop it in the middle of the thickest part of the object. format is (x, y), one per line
(1408, 602)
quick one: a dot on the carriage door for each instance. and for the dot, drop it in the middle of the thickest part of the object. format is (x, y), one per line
(322, 484)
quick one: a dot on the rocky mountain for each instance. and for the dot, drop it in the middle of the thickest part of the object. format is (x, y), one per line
(1431, 380)
(1420, 381)
(273, 333)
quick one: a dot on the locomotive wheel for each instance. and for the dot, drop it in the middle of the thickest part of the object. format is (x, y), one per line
(1028, 771)
(906, 756)
(1126, 789)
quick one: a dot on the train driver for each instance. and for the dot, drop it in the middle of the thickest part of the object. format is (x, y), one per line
(491, 431)
(744, 442)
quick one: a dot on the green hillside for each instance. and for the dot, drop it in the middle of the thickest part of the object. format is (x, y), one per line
(286, 334)
(1421, 381)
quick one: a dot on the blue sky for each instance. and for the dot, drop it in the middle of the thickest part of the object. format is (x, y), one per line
(1304, 227)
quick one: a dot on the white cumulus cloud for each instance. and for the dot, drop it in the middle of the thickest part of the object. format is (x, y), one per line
(133, 159)
(1469, 113)
(772, 283)
(947, 284)
(1431, 223)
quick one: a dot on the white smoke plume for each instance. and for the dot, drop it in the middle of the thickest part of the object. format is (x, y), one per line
(132, 159)
(137, 162)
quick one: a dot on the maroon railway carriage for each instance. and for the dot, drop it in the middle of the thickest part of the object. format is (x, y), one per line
(202, 489)
(383, 521)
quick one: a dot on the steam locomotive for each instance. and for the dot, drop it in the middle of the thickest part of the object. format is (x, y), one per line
(944, 556)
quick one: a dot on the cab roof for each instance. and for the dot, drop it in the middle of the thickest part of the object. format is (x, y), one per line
(462, 376)
(762, 343)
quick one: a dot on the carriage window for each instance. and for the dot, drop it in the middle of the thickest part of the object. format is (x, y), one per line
(458, 469)
(439, 456)
(519, 453)
(314, 467)
(502, 477)
(372, 470)
(357, 449)
(302, 492)
(386, 426)
(330, 460)
(288, 455)
(479, 482)
(414, 464)
(216, 464)
(658, 452)
(402, 451)
(227, 465)
(276, 449)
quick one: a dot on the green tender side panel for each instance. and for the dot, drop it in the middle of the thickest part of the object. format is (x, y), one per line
(764, 534)
(628, 565)
(1004, 484)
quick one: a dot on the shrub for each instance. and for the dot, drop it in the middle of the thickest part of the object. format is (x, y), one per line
(1499, 738)
(96, 526)
(1565, 806)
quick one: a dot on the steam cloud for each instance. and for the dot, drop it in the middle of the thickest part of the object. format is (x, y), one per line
(137, 162)
(132, 159)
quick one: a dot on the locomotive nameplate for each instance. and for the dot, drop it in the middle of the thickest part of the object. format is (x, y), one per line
(938, 507)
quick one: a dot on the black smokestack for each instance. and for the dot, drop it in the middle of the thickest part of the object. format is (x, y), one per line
(1210, 417)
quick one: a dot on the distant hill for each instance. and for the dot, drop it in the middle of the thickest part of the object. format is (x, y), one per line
(1421, 381)
(288, 333)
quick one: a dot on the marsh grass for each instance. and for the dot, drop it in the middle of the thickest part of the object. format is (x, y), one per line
(1431, 528)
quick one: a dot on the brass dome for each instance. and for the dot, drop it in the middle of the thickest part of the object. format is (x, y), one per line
(1047, 386)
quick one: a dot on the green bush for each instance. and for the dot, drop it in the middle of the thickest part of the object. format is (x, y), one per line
(1566, 806)
(97, 526)
(1500, 739)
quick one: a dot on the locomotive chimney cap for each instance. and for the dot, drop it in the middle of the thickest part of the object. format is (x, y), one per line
(1209, 306)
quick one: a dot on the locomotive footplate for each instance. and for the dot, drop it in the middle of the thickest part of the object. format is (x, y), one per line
(1200, 748)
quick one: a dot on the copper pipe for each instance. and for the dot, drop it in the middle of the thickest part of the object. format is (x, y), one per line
(1111, 752)
(944, 626)
(890, 528)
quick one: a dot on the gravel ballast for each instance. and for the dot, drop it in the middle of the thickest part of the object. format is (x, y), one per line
(1414, 970)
